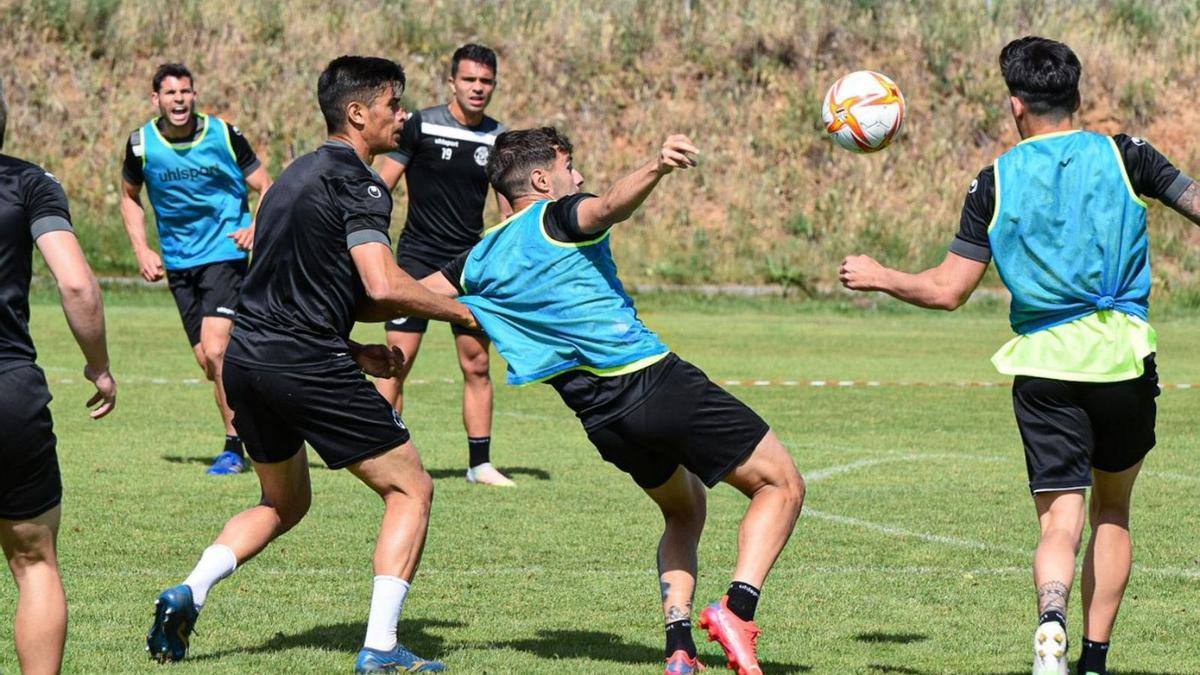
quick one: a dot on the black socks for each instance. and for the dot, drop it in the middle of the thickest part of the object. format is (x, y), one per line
(679, 636)
(1053, 615)
(1094, 658)
(480, 450)
(234, 444)
(743, 600)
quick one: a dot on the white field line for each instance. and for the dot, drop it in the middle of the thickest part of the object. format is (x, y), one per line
(903, 533)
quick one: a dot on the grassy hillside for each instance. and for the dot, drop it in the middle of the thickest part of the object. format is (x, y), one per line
(773, 202)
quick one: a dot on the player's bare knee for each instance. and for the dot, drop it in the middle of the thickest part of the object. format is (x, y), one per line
(1109, 514)
(475, 368)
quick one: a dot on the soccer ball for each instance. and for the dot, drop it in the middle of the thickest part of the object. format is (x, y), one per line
(863, 111)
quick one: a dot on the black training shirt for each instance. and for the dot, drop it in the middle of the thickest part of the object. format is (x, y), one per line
(596, 400)
(131, 169)
(298, 299)
(447, 186)
(1149, 172)
(32, 203)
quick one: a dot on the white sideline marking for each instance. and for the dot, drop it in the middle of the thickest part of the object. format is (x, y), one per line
(898, 532)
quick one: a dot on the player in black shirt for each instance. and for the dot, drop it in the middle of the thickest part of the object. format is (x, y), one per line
(196, 169)
(33, 211)
(442, 155)
(292, 375)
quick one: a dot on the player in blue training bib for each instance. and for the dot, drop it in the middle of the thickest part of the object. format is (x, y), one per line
(1063, 217)
(197, 170)
(544, 286)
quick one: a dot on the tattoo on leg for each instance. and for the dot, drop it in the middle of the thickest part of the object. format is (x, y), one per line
(1052, 596)
(677, 613)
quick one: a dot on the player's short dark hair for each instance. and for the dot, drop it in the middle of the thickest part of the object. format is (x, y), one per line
(171, 70)
(1043, 73)
(472, 52)
(3, 114)
(354, 78)
(516, 153)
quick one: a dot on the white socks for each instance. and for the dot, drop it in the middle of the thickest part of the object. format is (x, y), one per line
(215, 564)
(386, 602)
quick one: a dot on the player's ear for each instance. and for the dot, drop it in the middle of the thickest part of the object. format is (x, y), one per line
(540, 180)
(1017, 106)
(356, 114)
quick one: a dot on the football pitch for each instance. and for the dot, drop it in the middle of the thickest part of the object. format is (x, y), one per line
(912, 555)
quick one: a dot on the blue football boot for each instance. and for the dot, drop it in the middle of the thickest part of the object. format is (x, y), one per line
(174, 618)
(227, 464)
(398, 660)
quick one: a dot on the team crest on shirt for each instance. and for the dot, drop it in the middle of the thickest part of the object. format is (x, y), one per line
(374, 191)
(481, 155)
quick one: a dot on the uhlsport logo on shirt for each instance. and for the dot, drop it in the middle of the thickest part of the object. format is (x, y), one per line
(189, 173)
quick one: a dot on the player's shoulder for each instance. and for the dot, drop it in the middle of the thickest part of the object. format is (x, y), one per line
(491, 125)
(26, 170)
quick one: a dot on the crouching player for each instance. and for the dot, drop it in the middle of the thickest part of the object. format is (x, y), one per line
(544, 286)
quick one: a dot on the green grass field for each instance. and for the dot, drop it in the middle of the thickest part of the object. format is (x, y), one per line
(912, 555)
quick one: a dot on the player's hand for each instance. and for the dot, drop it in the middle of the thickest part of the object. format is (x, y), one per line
(150, 265)
(244, 238)
(379, 360)
(106, 391)
(861, 273)
(677, 153)
(473, 323)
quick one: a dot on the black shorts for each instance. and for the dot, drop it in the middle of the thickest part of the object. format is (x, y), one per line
(419, 269)
(336, 411)
(30, 484)
(685, 420)
(1070, 428)
(207, 290)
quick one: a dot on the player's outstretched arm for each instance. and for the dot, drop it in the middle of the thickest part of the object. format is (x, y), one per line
(618, 202)
(393, 291)
(391, 171)
(84, 308)
(134, 216)
(946, 286)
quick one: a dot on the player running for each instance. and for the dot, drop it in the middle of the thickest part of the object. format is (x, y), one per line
(196, 169)
(442, 155)
(544, 286)
(33, 210)
(293, 376)
(1062, 215)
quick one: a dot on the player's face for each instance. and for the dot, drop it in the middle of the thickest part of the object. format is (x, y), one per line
(175, 100)
(385, 121)
(473, 86)
(565, 180)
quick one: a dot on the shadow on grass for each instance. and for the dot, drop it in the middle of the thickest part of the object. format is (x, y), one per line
(595, 645)
(206, 461)
(877, 669)
(510, 471)
(891, 638)
(348, 637)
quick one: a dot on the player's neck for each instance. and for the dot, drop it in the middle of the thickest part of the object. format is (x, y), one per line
(465, 118)
(172, 132)
(1032, 125)
(357, 143)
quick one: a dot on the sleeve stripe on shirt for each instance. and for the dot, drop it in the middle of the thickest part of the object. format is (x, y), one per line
(49, 224)
(970, 251)
(359, 237)
(1175, 190)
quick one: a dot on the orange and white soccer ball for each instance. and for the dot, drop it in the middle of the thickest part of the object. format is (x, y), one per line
(863, 111)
